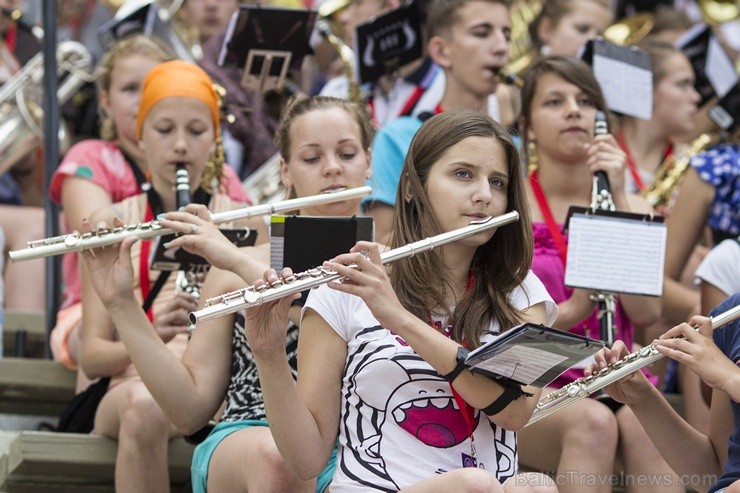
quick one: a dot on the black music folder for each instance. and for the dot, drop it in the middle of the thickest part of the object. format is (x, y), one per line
(531, 354)
(267, 42)
(388, 42)
(305, 242)
(713, 66)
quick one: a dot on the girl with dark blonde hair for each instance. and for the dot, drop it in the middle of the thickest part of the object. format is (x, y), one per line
(96, 173)
(176, 126)
(324, 144)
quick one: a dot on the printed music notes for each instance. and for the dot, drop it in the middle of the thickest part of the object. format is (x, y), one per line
(616, 253)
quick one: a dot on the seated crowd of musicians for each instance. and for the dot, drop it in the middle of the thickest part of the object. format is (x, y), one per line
(360, 383)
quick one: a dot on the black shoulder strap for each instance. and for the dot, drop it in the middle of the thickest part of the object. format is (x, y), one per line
(138, 174)
(155, 202)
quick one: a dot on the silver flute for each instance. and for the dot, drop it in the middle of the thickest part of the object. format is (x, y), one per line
(247, 297)
(583, 387)
(76, 242)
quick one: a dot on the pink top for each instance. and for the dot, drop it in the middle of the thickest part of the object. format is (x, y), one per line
(103, 163)
(548, 266)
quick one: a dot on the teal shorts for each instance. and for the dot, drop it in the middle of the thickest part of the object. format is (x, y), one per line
(204, 451)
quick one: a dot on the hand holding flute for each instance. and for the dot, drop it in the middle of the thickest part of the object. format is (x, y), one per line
(689, 344)
(99, 238)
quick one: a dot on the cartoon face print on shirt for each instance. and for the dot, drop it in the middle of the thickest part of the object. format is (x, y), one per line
(399, 409)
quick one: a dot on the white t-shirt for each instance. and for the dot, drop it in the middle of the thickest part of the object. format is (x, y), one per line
(721, 267)
(399, 421)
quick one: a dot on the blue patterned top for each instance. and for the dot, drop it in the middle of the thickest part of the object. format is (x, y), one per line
(720, 167)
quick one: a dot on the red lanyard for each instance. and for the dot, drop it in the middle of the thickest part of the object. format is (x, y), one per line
(632, 166)
(144, 264)
(557, 236)
(639, 183)
(10, 34)
(466, 410)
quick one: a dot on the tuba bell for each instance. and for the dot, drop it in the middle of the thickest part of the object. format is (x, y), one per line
(21, 112)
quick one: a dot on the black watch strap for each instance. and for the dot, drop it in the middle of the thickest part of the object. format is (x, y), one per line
(462, 354)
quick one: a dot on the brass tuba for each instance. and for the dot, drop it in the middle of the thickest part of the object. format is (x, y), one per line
(21, 112)
(719, 11)
(347, 56)
(523, 13)
(164, 24)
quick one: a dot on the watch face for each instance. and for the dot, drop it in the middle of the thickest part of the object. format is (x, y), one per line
(462, 354)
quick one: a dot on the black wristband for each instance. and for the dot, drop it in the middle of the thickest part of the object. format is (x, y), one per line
(462, 353)
(511, 393)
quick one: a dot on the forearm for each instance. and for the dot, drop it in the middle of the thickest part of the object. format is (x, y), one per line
(249, 268)
(163, 373)
(678, 301)
(571, 313)
(673, 436)
(733, 385)
(103, 358)
(294, 428)
(641, 310)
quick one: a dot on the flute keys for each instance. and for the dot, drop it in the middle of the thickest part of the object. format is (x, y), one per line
(276, 284)
(71, 240)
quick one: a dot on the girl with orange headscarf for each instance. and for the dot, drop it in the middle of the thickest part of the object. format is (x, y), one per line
(96, 173)
(177, 124)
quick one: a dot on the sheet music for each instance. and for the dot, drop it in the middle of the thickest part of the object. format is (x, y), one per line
(627, 89)
(522, 363)
(615, 255)
(720, 70)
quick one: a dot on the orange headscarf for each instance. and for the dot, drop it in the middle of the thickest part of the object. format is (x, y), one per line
(176, 79)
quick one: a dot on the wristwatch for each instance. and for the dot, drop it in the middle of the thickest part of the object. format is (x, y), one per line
(462, 355)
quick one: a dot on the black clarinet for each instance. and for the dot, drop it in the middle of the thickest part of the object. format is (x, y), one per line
(182, 186)
(601, 196)
(601, 199)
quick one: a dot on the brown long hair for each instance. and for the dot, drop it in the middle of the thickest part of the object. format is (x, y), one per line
(498, 267)
(572, 70)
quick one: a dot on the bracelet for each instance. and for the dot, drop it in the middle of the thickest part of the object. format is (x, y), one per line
(462, 353)
(511, 393)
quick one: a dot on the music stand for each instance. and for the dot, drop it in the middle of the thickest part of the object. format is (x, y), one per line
(267, 42)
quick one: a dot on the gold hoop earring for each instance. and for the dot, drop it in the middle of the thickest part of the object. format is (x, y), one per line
(210, 179)
(532, 157)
